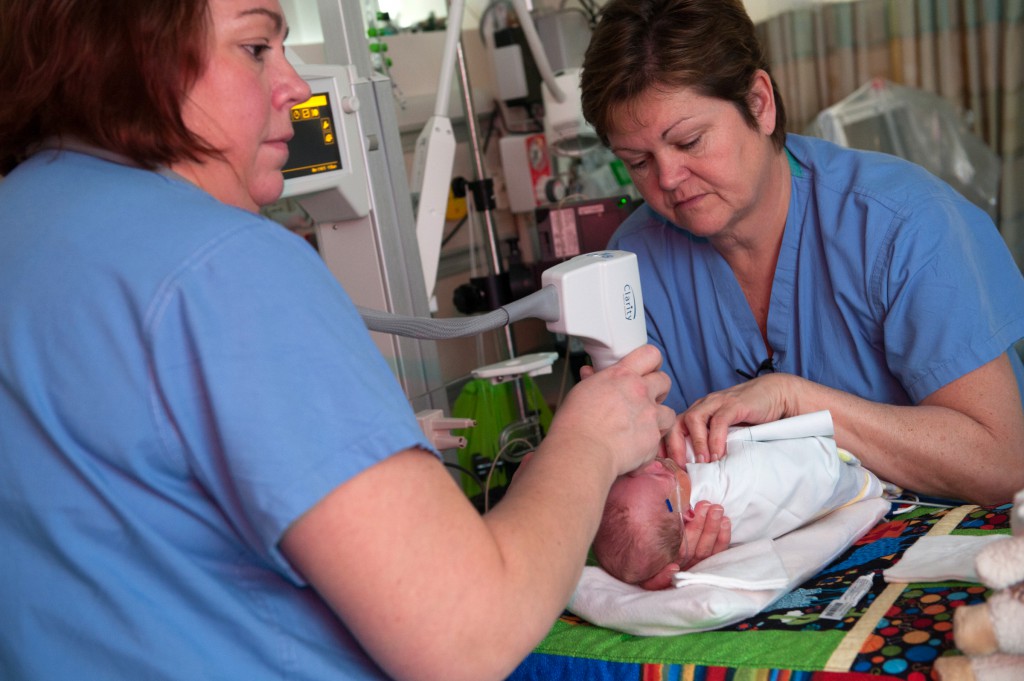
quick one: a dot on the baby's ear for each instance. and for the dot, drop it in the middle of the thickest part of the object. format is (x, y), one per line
(662, 579)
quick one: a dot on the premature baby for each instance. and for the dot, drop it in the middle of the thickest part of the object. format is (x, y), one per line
(766, 488)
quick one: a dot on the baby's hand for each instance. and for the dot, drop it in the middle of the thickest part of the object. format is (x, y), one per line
(707, 531)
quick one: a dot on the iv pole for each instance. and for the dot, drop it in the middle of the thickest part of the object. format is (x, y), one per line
(435, 148)
(435, 156)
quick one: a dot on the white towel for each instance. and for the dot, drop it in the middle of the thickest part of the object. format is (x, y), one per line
(940, 558)
(605, 601)
(749, 567)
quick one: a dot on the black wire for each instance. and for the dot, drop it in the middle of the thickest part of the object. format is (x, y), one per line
(453, 232)
(590, 8)
(492, 124)
(474, 476)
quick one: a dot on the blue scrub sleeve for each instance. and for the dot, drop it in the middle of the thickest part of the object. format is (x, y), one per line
(932, 283)
(268, 380)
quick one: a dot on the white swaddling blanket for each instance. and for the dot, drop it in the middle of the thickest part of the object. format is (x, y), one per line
(779, 476)
(769, 490)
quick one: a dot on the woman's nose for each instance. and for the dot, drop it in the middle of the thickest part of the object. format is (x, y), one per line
(671, 173)
(293, 88)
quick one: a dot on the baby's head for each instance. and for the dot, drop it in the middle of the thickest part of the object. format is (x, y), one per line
(641, 532)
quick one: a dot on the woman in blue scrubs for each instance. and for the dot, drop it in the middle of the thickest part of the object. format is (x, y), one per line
(208, 471)
(784, 275)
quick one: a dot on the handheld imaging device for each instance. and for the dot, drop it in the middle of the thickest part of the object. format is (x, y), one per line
(594, 297)
(600, 303)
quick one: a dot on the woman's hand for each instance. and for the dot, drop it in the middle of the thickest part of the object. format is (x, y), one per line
(620, 409)
(706, 422)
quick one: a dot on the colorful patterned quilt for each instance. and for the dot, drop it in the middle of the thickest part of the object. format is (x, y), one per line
(894, 633)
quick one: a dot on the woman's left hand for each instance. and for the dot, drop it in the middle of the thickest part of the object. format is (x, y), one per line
(759, 400)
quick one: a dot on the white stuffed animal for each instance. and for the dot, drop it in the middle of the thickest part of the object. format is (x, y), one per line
(991, 635)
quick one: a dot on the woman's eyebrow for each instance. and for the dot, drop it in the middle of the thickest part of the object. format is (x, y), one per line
(276, 18)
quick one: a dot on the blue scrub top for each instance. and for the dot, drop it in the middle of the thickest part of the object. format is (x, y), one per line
(180, 380)
(889, 285)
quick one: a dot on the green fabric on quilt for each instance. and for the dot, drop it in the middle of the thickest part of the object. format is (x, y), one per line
(763, 649)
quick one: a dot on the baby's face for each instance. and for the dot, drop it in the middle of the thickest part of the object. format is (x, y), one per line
(658, 481)
(658, 496)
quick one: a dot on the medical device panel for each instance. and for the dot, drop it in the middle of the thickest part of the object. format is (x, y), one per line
(324, 161)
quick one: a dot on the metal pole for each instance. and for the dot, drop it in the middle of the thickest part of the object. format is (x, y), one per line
(478, 167)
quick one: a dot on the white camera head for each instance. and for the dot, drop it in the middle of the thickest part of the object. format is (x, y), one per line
(600, 303)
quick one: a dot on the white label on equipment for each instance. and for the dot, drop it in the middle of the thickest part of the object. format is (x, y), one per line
(837, 609)
(563, 232)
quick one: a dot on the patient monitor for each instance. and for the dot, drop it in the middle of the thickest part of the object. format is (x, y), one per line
(346, 172)
(324, 165)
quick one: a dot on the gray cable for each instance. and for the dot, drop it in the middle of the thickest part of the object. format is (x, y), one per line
(542, 304)
(432, 329)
